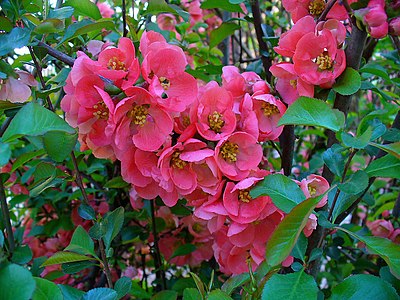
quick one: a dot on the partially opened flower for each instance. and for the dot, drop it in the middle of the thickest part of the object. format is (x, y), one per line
(17, 89)
(314, 186)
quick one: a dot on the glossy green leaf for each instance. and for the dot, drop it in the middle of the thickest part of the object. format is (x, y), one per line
(343, 202)
(222, 32)
(65, 257)
(285, 193)
(84, 27)
(165, 295)
(199, 284)
(357, 142)
(16, 38)
(59, 144)
(334, 160)
(61, 13)
(292, 286)
(77, 266)
(49, 26)
(5, 154)
(123, 286)
(218, 295)
(183, 250)
(393, 148)
(46, 290)
(113, 224)
(312, 112)
(22, 255)
(86, 212)
(100, 293)
(286, 234)
(85, 8)
(191, 294)
(348, 83)
(299, 249)
(81, 242)
(234, 282)
(16, 283)
(70, 293)
(35, 120)
(116, 183)
(222, 4)
(158, 6)
(385, 248)
(355, 184)
(386, 167)
(362, 286)
(1, 239)
(24, 158)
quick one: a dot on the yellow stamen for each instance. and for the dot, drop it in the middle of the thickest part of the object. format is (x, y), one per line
(269, 109)
(115, 64)
(186, 121)
(244, 196)
(293, 83)
(316, 7)
(324, 61)
(165, 83)
(139, 114)
(216, 122)
(176, 162)
(101, 110)
(312, 190)
(229, 151)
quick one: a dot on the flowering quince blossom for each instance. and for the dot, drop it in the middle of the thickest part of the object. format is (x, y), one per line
(314, 186)
(175, 140)
(381, 228)
(18, 89)
(374, 16)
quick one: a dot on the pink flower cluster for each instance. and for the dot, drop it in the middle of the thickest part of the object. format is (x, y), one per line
(179, 138)
(384, 228)
(375, 18)
(317, 57)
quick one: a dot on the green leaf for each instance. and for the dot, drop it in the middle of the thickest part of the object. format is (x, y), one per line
(292, 286)
(366, 287)
(218, 295)
(234, 282)
(77, 266)
(356, 184)
(113, 224)
(6, 24)
(123, 286)
(385, 248)
(199, 284)
(65, 257)
(81, 242)
(375, 69)
(359, 142)
(191, 294)
(86, 212)
(138, 292)
(84, 27)
(59, 144)
(344, 201)
(1, 239)
(61, 13)
(16, 283)
(17, 38)
(5, 154)
(84, 8)
(22, 255)
(285, 193)
(46, 290)
(393, 148)
(70, 293)
(222, 4)
(348, 83)
(183, 250)
(387, 167)
(35, 120)
(286, 234)
(101, 293)
(158, 6)
(334, 159)
(165, 295)
(300, 248)
(222, 32)
(24, 158)
(116, 183)
(49, 26)
(312, 112)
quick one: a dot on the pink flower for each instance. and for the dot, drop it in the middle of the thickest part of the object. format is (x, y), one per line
(215, 118)
(248, 121)
(313, 186)
(105, 10)
(394, 26)
(269, 111)
(395, 236)
(317, 59)
(311, 225)
(381, 228)
(140, 121)
(289, 85)
(148, 38)
(237, 154)
(17, 89)
(164, 69)
(166, 22)
(374, 16)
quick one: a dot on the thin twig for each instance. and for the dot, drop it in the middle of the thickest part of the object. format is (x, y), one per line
(6, 218)
(328, 7)
(157, 256)
(125, 31)
(105, 263)
(57, 54)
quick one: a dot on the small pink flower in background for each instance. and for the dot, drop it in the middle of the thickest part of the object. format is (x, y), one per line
(18, 89)
(381, 228)
(237, 155)
(215, 118)
(394, 26)
(269, 111)
(317, 60)
(395, 236)
(313, 186)
(311, 225)
(105, 10)
(374, 16)
(166, 22)
(289, 85)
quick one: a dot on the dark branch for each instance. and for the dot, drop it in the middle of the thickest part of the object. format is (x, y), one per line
(57, 54)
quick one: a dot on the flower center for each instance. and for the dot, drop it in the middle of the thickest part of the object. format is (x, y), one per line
(244, 196)
(186, 121)
(216, 121)
(115, 64)
(176, 162)
(324, 61)
(293, 83)
(269, 109)
(139, 114)
(229, 151)
(316, 7)
(165, 83)
(312, 191)
(101, 110)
